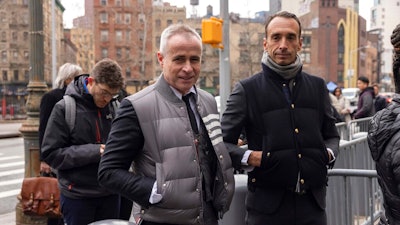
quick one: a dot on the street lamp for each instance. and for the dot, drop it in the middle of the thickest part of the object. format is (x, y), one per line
(350, 70)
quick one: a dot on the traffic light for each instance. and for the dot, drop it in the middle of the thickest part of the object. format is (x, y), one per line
(212, 31)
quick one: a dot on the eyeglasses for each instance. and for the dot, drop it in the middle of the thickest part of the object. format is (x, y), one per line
(106, 94)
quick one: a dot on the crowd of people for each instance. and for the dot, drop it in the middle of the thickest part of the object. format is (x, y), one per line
(165, 156)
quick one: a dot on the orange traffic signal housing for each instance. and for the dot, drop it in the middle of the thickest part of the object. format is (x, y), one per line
(211, 31)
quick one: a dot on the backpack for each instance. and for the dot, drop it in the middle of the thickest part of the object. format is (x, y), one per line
(70, 110)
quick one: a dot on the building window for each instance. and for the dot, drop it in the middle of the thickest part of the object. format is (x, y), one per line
(127, 53)
(141, 18)
(128, 35)
(3, 36)
(158, 38)
(215, 81)
(3, 17)
(127, 2)
(104, 35)
(158, 23)
(119, 53)
(26, 54)
(127, 18)
(340, 76)
(128, 72)
(25, 19)
(202, 82)
(118, 18)
(340, 44)
(118, 2)
(5, 76)
(26, 75)
(118, 35)
(16, 75)
(244, 56)
(15, 54)
(26, 36)
(305, 56)
(169, 22)
(104, 53)
(103, 2)
(14, 35)
(4, 56)
(103, 17)
(306, 41)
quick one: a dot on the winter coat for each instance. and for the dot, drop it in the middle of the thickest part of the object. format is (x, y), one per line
(293, 133)
(384, 144)
(46, 106)
(365, 106)
(76, 154)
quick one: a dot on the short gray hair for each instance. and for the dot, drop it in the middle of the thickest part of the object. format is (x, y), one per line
(66, 71)
(176, 29)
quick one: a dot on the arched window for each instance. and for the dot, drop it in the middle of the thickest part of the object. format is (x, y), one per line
(340, 44)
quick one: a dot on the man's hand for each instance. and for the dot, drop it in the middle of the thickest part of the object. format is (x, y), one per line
(45, 168)
(255, 158)
(102, 147)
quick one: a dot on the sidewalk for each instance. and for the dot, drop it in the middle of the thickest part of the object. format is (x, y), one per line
(10, 129)
(8, 219)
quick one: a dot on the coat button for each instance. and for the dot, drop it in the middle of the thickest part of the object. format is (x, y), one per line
(292, 105)
(268, 154)
(299, 155)
(296, 130)
(221, 156)
(253, 180)
(301, 181)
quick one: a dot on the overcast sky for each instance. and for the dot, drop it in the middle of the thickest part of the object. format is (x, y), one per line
(246, 8)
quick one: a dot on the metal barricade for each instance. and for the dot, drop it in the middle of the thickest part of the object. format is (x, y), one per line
(358, 128)
(343, 130)
(353, 197)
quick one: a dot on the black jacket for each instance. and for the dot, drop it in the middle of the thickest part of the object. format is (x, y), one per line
(293, 133)
(46, 105)
(76, 155)
(365, 105)
(384, 144)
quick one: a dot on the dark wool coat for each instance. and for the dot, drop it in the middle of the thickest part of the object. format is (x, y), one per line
(293, 132)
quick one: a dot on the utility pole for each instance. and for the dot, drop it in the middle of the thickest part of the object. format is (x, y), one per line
(224, 58)
(36, 88)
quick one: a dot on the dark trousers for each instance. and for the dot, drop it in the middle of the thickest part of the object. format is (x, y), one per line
(85, 211)
(125, 209)
(295, 209)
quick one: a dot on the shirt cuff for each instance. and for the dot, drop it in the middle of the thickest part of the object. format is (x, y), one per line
(244, 160)
(154, 197)
(332, 154)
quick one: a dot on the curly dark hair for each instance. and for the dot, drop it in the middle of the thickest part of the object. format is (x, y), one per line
(107, 71)
(395, 39)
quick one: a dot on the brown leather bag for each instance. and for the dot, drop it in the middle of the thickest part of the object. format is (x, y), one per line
(40, 196)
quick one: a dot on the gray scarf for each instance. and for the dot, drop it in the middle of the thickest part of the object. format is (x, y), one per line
(287, 72)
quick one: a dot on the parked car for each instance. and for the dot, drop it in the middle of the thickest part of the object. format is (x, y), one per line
(352, 95)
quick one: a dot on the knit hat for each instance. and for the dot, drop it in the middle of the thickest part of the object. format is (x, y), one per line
(395, 39)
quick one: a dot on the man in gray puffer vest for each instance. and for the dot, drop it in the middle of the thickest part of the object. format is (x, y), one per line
(170, 133)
